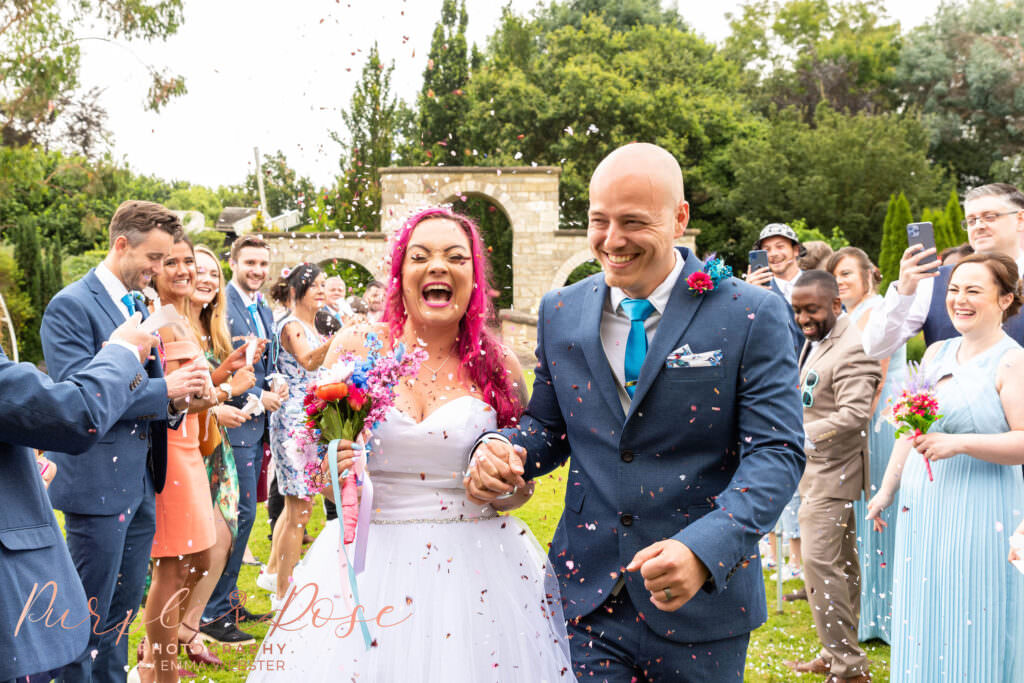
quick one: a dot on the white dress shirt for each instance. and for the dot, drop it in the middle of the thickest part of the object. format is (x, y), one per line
(115, 288)
(786, 286)
(901, 317)
(615, 326)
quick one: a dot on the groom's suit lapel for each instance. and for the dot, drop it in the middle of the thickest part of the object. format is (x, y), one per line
(593, 350)
(106, 304)
(239, 310)
(678, 315)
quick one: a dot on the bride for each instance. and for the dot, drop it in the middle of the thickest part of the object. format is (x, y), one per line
(451, 591)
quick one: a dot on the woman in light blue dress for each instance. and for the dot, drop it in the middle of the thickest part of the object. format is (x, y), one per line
(302, 351)
(958, 605)
(858, 278)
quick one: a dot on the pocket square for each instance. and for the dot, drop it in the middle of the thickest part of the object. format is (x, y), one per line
(683, 357)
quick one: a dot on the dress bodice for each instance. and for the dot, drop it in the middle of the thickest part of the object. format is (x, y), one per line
(417, 467)
(968, 400)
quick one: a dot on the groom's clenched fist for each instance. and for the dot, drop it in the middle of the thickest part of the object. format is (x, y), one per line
(672, 573)
(495, 470)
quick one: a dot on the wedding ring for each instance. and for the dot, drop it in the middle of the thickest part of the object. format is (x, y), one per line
(668, 595)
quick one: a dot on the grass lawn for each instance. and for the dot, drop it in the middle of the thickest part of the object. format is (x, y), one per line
(789, 635)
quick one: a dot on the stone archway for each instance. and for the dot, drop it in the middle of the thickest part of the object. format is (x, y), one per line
(368, 249)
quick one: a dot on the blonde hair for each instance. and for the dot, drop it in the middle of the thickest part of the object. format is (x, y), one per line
(213, 318)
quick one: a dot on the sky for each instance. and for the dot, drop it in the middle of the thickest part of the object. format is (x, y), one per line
(276, 75)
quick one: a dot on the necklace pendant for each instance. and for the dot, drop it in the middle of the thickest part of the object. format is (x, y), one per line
(433, 377)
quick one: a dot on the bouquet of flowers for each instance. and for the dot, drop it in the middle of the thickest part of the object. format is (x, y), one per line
(915, 409)
(348, 396)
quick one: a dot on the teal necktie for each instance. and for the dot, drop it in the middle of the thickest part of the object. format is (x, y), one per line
(256, 320)
(638, 311)
(129, 302)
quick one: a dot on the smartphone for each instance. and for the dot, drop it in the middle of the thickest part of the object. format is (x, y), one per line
(923, 234)
(758, 259)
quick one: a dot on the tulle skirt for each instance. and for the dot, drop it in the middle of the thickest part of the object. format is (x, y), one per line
(471, 601)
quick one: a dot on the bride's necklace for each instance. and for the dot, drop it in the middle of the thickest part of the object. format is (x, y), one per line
(433, 371)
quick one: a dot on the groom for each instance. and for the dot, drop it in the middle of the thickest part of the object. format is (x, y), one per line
(681, 415)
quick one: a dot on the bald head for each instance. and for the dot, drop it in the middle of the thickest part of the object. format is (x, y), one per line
(643, 159)
(636, 212)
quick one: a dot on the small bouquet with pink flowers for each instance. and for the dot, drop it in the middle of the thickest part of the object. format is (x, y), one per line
(348, 396)
(915, 409)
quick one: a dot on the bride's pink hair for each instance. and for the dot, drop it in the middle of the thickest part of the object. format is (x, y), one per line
(480, 353)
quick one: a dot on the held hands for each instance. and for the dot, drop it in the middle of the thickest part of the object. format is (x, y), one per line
(911, 270)
(128, 332)
(762, 277)
(879, 502)
(672, 573)
(938, 446)
(495, 469)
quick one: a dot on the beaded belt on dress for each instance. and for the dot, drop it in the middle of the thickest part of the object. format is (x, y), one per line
(449, 520)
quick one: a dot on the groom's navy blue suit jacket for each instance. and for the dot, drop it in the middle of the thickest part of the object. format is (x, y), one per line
(708, 456)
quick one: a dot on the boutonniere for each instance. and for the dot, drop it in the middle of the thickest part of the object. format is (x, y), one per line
(707, 278)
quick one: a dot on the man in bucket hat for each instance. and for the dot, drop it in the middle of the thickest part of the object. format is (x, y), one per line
(784, 248)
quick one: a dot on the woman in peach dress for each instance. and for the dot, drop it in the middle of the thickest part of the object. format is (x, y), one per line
(185, 529)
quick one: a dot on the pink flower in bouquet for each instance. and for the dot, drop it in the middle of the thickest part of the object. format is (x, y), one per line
(916, 409)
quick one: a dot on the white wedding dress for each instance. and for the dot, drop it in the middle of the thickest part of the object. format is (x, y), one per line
(472, 595)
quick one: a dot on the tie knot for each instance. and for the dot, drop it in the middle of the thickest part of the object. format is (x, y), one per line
(252, 308)
(129, 302)
(637, 309)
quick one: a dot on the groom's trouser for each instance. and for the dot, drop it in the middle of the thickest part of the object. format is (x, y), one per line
(614, 644)
(248, 460)
(111, 554)
(828, 532)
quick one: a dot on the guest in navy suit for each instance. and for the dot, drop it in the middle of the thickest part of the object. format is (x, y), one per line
(248, 316)
(107, 494)
(683, 423)
(35, 565)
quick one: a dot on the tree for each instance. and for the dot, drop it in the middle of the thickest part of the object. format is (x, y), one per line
(442, 102)
(619, 15)
(962, 70)
(954, 219)
(285, 189)
(372, 121)
(196, 198)
(805, 52)
(840, 171)
(40, 59)
(592, 89)
(894, 241)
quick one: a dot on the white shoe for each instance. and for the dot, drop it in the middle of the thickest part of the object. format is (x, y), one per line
(267, 581)
(276, 603)
(788, 573)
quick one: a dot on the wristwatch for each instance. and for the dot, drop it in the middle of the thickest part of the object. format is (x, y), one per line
(226, 388)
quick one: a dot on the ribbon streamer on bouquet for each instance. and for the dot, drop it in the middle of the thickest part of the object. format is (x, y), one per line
(365, 510)
(343, 559)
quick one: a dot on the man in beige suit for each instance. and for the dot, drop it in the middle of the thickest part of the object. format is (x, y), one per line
(837, 383)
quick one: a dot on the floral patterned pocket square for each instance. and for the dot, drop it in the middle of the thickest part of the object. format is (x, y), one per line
(683, 357)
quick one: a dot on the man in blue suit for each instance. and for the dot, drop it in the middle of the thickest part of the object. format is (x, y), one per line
(34, 561)
(248, 316)
(683, 423)
(107, 494)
